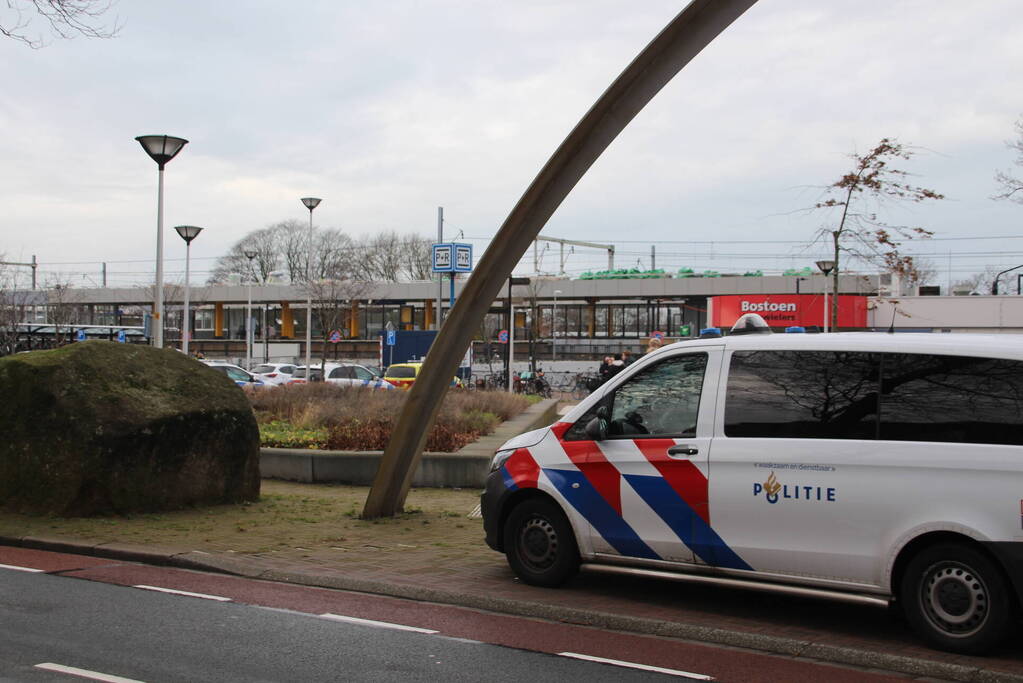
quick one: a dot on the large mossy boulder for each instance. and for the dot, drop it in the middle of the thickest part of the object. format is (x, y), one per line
(99, 428)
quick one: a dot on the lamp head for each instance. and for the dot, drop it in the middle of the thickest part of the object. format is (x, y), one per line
(826, 266)
(250, 254)
(161, 148)
(188, 232)
(311, 202)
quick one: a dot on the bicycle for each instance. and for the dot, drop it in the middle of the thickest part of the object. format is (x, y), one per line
(585, 384)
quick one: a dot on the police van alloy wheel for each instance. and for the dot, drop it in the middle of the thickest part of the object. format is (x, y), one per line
(956, 599)
(540, 545)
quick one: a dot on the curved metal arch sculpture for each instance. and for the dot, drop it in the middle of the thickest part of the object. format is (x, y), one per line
(674, 47)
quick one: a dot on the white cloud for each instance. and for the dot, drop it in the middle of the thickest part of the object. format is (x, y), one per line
(388, 110)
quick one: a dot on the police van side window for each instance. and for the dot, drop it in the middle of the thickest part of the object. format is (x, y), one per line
(802, 395)
(955, 399)
(661, 401)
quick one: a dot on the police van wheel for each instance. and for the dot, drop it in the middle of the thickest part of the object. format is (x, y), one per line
(540, 545)
(956, 599)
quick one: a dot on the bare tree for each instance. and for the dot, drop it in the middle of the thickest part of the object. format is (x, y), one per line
(14, 303)
(66, 19)
(332, 305)
(924, 272)
(1011, 187)
(62, 310)
(266, 242)
(416, 258)
(391, 257)
(857, 231)
(387, 256)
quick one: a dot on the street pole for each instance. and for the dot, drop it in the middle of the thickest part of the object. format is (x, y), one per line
(511, 343)
(158, 300)
(827, 311)
(554, 327)
(186, 324)
(187, 233)
(310, 203)
(248, 312)
(161, 149)
(826, 267)
(440, 284)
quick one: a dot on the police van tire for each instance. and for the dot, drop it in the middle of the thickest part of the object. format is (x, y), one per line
(957, 599)
(540, 545)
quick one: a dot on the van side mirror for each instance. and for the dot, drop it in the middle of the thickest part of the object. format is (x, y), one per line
(596, 429)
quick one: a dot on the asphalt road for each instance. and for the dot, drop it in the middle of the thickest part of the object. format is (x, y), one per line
(118, 619)
(150, 636)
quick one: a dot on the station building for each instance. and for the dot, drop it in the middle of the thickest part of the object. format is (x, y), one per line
(587, 317)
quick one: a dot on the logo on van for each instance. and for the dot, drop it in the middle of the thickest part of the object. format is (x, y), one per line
(773, 491)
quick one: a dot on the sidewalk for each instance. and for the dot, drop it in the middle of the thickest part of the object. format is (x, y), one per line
(438, 555)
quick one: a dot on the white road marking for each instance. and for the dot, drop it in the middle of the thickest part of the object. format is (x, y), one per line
(20, 569)
(380, 624)
(85, 673)
(204, 596)
(633, 665)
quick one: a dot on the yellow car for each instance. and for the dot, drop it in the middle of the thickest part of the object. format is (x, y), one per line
(403, 375)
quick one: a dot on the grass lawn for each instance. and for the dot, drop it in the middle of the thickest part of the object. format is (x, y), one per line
(288, 516)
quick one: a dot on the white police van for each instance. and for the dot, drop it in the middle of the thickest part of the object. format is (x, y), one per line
(862, 466)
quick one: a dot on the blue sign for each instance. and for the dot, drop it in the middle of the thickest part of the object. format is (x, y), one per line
(452, 257)
(502, 336)
(335, 337)
(80, 336)
(392, 338)
(120, 336)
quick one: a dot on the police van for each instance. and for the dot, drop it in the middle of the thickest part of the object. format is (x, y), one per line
(869, 467)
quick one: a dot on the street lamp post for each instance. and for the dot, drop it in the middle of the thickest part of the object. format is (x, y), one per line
(187, 233)
(161, 148)
(249, 254)
(826, 267)
(554, 327)
(310, 203)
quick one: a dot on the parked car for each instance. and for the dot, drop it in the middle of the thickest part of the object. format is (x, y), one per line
(876, 468)
(300, 375)
(274, 373)
(345, 374)
(241, 377)
(403, 375)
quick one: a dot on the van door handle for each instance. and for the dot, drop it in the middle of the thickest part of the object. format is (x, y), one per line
(683, 450)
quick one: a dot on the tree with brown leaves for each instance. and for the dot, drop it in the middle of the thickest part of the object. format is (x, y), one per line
(1011, 187)
(66, 19)
(858, 231)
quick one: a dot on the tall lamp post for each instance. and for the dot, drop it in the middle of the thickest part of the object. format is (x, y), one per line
(161, 148)
(826, 267)
(310, 203)
(554, 327)
(249, 254)
(187, 233)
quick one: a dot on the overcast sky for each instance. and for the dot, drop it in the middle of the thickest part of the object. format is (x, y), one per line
(390, 109)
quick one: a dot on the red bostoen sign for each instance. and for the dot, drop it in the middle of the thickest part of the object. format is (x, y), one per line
(785, 310)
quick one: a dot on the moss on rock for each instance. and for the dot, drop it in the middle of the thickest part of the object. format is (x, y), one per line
(103, 428)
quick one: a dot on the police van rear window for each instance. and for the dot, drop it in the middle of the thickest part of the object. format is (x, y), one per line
(890, 396)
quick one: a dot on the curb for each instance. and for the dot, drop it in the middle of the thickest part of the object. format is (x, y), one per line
(777, 645)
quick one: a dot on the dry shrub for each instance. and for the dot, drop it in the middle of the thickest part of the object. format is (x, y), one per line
(362, 419)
